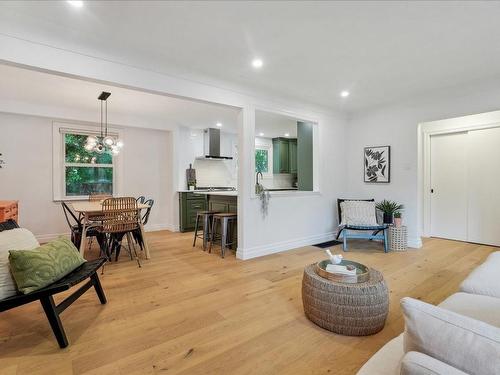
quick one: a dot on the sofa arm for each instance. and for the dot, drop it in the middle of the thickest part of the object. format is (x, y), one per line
(415, 363)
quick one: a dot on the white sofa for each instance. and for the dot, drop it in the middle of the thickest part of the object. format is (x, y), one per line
(479, 299)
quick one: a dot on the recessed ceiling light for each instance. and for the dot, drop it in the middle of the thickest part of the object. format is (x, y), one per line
(75, 3)
(257, 63)
(287, 134)
(219, 125)
(261, 134)
(344, 94)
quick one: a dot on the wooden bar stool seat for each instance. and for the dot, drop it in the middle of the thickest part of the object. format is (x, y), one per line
(207, 218)
(225, 220)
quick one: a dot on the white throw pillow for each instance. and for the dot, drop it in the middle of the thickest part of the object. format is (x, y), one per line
(358, 213)
(485, 279)
(467, 344)
(14, 239)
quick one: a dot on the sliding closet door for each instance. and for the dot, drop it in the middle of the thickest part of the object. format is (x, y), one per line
(449, 186)
(484, 186)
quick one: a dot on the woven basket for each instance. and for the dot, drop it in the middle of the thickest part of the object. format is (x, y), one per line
(398, 238)
(349, 309)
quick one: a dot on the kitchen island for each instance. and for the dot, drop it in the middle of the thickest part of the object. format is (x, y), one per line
(222, 201)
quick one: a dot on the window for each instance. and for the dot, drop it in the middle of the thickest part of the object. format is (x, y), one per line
(84, 171)
(78, 172)
(261, 161)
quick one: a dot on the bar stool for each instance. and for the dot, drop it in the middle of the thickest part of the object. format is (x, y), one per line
(225, 220)
(207, 217)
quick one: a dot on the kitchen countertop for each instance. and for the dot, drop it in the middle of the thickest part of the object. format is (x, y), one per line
(230, 193)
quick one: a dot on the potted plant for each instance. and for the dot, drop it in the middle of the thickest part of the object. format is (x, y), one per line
(397, 219)
(389, 208)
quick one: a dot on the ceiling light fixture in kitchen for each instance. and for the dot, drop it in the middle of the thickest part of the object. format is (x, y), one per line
(261, 134)
(287, 134)
(344, 94)
(257, 63)
(219, 125)
(103, 142)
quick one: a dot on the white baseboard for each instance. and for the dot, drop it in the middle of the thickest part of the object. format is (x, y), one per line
(277, 247)
(157, 227)
(415, 242)
(43, 238)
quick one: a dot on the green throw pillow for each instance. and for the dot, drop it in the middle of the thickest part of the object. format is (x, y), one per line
(34, 269)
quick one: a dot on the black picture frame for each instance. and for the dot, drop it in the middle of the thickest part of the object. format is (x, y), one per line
(377, 164)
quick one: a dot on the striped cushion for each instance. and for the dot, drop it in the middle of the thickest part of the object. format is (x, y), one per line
(358, 213)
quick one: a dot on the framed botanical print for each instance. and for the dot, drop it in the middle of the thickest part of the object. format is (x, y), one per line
(377, 164)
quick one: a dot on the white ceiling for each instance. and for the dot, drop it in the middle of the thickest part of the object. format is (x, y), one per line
(56, 96)
(379, 51)
(274, 125)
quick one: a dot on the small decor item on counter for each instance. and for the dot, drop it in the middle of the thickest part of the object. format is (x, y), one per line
(335, 259)
(397, 219)
(191, 178)
(389, 208)
(378, 164)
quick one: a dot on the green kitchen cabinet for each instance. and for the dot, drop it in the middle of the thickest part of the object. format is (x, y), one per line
(292, 155)
(305, 156)
(281, 157)
(284, 155)
(189, 205)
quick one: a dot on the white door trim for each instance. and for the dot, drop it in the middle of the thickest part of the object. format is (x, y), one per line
(425, 131)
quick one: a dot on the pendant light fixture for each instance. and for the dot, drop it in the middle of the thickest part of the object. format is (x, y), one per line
(103, 142)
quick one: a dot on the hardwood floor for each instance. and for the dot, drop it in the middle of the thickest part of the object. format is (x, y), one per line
(190, 312)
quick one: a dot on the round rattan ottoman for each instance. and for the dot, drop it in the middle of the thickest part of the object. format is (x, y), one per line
(358, 309)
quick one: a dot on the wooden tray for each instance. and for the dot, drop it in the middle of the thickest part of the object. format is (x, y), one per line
(362, 272)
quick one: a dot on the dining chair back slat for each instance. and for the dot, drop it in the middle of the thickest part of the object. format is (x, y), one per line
(119, 215)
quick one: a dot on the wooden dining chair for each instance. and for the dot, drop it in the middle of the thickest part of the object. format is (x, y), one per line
(120, 218)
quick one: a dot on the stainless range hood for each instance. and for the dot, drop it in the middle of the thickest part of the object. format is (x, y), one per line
(211, 145)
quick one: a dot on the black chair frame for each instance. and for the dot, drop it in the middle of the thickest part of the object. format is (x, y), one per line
(88, 270)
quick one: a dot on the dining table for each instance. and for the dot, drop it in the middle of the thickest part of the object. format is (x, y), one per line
(87, 209)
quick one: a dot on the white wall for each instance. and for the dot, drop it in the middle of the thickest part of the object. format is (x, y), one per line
(396, 125)
(26, 142)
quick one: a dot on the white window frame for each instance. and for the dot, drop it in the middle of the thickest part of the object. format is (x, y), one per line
(59, 164)
(269, 148)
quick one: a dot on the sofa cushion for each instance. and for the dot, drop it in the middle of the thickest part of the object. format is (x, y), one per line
(467, 344)
(34, 269)
(415, 363)
(485, 279)
(386, 361)
(484, 308)
(20, 239)
(358, 213)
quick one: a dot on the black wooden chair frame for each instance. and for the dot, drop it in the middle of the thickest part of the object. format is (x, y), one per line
(375, 229)
(88, 270)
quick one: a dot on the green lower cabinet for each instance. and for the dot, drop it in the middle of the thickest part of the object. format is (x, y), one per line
(189, 205)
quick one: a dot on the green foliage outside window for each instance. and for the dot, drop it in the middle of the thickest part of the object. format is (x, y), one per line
(83, 177)
(261, 161)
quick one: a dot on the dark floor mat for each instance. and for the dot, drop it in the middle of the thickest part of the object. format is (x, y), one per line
(324, 245)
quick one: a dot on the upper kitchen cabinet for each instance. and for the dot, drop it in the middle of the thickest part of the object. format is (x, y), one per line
(281, 155)
(292, 155)
(305, 156)
(285, 155)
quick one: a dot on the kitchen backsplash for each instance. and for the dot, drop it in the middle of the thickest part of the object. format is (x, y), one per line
(215, 172)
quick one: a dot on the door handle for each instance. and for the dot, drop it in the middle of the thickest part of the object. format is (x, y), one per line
(432, 191)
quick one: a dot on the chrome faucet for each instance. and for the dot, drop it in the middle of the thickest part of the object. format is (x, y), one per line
(257, 177)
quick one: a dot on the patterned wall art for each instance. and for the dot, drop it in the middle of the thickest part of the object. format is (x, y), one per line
(377, 164)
